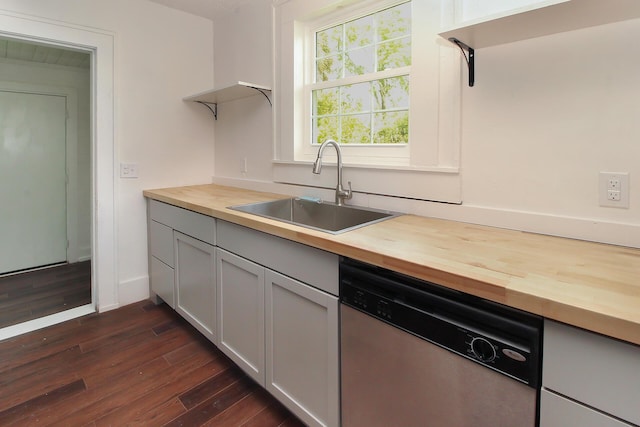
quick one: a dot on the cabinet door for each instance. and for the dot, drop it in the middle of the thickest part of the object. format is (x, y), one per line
(196, 283)
(557, 411)
(302, 349)
(162, 281)
(598, 371)
(241, 312)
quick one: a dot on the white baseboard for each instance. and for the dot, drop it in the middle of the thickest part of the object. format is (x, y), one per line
(84, 254)
(132, 290)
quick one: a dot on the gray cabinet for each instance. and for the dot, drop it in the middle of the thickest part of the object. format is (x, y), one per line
(162, 280)
(196, 283)
(302, 349)
(161, 262)
(588, 379)
(241, 312)
(291, 345)
(182, 263)
(558, 411)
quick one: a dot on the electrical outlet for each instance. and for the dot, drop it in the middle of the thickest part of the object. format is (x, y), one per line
(613, 189)
(128, 170)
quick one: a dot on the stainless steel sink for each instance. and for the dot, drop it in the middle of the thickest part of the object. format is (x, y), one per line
(323, 216)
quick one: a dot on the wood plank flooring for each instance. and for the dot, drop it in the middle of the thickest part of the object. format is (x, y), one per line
(138, 365)
(34, 294)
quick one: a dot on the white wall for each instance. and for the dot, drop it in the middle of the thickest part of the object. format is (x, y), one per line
(544, 118)
(242, 52)
(161, 55)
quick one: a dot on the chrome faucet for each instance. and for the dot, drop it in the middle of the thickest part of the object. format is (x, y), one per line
(341, 193)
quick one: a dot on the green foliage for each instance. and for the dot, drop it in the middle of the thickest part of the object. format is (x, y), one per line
(351, 49)
(395, 133)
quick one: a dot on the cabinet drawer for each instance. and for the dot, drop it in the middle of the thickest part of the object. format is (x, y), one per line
(601, 372)
(163, 281)
(310, 265)
(557, 411)
(193, 224)
(161, 242)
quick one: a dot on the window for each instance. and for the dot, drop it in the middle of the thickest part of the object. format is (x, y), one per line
(359, 72)
(361, 89)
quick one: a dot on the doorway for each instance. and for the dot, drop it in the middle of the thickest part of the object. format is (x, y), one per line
(99, 43)
(45, 176)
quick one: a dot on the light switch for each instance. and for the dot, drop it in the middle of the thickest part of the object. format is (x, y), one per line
(128, 170)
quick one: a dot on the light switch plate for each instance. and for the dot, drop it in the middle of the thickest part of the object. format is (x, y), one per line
(128, 170)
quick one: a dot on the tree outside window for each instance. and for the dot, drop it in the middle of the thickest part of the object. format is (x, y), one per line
(372, 53)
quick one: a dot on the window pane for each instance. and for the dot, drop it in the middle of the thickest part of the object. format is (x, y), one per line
(394, 22)
(329, 68)
(394, 54)
(326, 101)
(329, 41)
(391, 127)
(359, 61)
(356, 129)
(359, 33)
(325, 128)
(391, 93)
(374, 111)
(356, 98)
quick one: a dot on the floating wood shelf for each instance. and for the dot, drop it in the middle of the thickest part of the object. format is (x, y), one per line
(212, 98)
(542, 19)
(545, 18)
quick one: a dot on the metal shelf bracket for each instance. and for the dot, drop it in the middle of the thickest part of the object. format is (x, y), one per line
(263, 92)
(212, 107)
(470, 58)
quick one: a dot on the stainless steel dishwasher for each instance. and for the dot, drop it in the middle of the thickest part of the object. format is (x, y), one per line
(417, 354)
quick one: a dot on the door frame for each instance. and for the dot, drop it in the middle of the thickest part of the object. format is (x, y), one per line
(100, 44)
(71, 168)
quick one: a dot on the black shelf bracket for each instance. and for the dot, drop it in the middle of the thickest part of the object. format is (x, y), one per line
(470, 58)
(263, 92)
(212, 107)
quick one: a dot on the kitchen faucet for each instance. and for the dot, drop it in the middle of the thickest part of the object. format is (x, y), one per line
(341, 193)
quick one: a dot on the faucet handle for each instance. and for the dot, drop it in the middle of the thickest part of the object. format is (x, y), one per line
(349, 193)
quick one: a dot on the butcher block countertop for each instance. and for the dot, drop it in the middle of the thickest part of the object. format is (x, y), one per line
(590, 285)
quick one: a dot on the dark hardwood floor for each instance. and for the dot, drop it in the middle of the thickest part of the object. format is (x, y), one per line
(34, 294)
(138, 365)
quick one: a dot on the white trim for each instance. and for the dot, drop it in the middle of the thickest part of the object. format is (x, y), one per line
(43, 322)
(133, 290)
(100, 44)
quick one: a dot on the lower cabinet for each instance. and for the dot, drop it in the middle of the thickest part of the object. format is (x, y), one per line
(162, 279)
(268, 303)
(302, 349)
(196, 283)
(558, 411)
(282, 331)
(588, 380)
(241, 313)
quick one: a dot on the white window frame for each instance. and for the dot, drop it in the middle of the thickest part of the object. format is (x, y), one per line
(431, 169)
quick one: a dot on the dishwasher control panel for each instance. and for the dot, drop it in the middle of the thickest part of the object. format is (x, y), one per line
(472, 328)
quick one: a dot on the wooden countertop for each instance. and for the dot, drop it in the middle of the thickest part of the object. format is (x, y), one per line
(590, 285)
